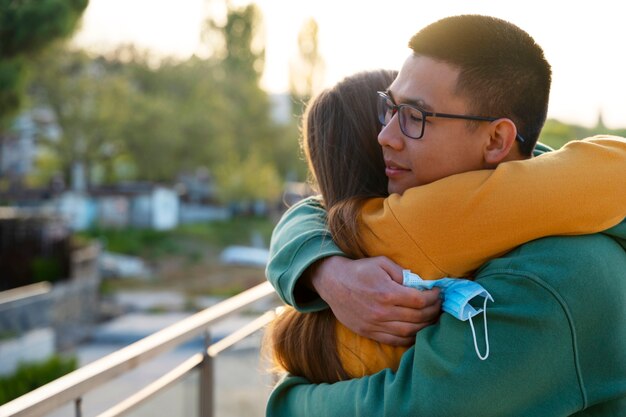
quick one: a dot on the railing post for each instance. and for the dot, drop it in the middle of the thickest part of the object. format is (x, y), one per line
(206, 379)
(78, 412)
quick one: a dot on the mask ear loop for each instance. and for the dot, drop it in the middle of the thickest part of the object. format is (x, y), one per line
(481, 357)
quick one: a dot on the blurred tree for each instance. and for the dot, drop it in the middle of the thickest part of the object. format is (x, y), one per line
(557, 134)
(242, 49)
(26, 27)
(251, 179)
(247, 165)
(90, 105)
(241, 56)
(178, 123)
(289, 158)
(306, 72)
(127, 115)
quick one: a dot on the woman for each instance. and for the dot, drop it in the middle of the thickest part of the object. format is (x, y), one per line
(347, 112)
(345, 159)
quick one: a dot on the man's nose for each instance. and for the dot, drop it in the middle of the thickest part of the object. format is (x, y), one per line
(391, 135)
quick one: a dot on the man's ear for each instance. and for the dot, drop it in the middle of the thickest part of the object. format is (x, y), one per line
(501, 144)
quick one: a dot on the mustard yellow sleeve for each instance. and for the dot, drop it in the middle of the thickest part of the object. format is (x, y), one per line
(361, 356)
(454, 225)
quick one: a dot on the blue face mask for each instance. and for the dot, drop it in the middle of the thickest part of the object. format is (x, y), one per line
(456, 294)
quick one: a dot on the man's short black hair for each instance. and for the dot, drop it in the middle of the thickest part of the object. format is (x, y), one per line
(503, 72)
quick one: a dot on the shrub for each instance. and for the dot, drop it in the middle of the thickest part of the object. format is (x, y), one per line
(30, 376)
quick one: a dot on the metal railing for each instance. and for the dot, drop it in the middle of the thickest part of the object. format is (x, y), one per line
(73, 386)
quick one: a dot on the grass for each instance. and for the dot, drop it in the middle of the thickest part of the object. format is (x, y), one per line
(134, 242)
(232, 232)
(153, 244)
(30, 376)
(8, 334)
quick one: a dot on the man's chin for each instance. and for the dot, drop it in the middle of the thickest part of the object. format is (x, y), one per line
(395, 188)
(399, 187)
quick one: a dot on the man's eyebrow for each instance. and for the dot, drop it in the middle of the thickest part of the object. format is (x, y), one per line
(419, 103)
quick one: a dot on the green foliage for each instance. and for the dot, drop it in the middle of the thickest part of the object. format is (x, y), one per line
(12, 78)
(123, 117)
(48, 164)
(46, 269)
(252, 178)
(26, 27)
(133, 241)
(90, 103)
(152, 244)
(289, 157)
(557, 134)
(178, 122)
(7, 334)
(237, 231)
(30, 376)
(306, 72)
(241, 48)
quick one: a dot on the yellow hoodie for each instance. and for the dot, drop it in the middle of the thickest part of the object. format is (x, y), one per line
(579, 189)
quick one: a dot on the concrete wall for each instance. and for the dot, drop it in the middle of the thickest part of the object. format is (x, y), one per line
(25, 308)
(68, 308)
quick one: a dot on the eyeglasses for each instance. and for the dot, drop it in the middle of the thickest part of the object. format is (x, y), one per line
(413, 119)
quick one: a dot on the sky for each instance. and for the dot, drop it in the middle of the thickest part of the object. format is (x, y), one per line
(582, 40)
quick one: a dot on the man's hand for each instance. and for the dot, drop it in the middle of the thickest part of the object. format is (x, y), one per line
(368, 297)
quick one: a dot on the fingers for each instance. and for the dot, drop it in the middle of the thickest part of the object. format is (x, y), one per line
(413, 298)
(406, 322)
(423, 299)
(393, 269)
(397, 325)
(366, 295)
(416, 316)
(379, 314)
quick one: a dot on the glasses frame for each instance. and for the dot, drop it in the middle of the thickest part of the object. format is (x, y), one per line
(384, 98)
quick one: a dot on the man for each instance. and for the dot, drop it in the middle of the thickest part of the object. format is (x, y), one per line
(544, 327)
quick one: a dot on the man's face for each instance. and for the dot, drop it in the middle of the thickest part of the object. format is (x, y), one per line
(448, 146)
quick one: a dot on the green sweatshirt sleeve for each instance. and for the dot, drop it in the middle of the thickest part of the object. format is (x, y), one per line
(299, 239)
(549, 356)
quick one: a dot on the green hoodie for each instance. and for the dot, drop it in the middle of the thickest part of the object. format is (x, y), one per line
(557, 332)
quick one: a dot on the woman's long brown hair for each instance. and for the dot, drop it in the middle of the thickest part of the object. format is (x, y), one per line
(340, 132)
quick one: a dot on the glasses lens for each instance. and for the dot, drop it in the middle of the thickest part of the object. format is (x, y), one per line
(385, 110)
(411, 121)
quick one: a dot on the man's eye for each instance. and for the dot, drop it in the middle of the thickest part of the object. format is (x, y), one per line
(415, 116)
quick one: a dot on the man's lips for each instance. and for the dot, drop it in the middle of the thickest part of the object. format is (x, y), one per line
(392, 169)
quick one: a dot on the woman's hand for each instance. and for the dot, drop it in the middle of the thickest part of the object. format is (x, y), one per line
(368, 297)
